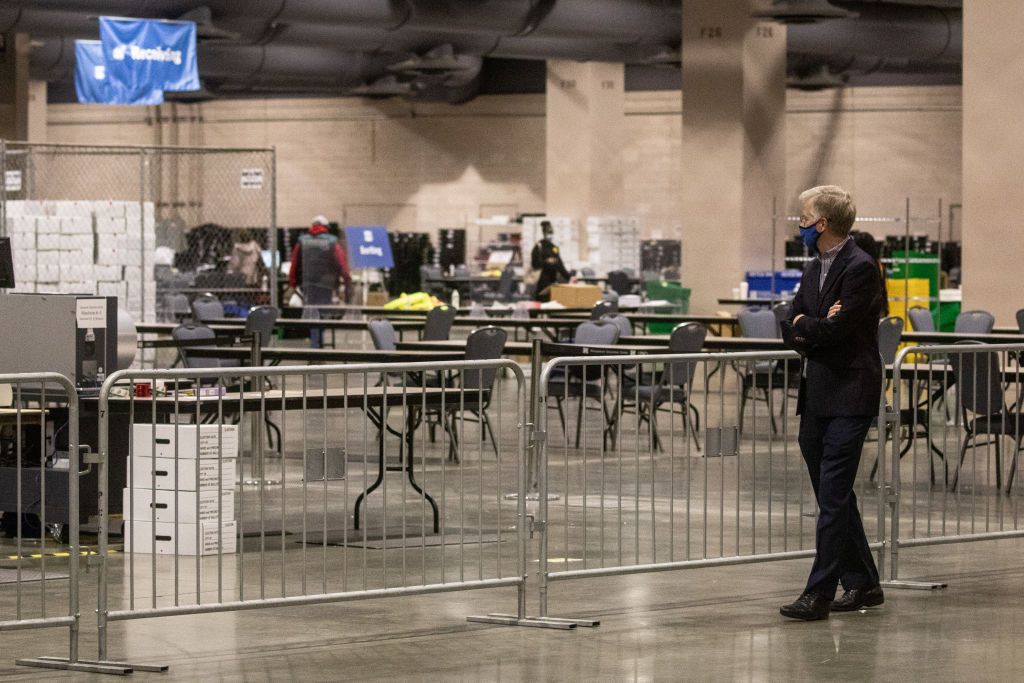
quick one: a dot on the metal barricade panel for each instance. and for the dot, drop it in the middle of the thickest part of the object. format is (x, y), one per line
(670, 461)
(958, 423)
(433, 464)
(40, 471)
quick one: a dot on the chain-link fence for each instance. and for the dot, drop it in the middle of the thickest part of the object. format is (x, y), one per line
(154, 226)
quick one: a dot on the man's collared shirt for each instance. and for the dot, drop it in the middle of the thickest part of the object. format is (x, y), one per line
(827, 259)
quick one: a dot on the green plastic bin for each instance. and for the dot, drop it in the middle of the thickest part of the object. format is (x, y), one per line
(676, 294)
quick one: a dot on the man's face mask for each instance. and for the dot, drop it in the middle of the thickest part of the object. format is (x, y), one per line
(809, 233)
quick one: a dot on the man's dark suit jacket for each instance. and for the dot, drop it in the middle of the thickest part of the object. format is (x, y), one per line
(843, 370)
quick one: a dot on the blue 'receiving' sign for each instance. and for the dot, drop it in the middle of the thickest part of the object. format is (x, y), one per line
(94, 87)
(150, 53)
(368, 247)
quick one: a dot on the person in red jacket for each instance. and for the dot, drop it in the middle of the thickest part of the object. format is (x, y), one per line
(318, 265)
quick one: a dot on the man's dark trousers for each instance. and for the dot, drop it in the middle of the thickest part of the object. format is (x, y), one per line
(831, 447)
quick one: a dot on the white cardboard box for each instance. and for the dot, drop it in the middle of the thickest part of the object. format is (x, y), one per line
(146, 471)
(215, 441)
(143, 505)
(141, 537)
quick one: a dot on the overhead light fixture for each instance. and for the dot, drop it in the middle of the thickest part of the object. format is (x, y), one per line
(803, 12)
(667, 56)
(441, 60)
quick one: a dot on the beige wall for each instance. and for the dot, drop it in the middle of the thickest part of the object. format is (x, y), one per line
(426, 165)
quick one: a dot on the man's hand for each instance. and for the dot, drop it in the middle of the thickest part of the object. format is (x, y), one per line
(836, 307)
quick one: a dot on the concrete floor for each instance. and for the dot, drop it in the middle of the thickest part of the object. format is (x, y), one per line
(702, 624)
(613, 508)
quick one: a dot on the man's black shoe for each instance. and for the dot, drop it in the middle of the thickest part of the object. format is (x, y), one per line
(859, 598)
(808, 607)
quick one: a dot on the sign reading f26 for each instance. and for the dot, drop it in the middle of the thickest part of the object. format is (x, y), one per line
(150, 53)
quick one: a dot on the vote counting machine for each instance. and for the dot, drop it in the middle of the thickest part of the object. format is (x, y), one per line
(85, 338)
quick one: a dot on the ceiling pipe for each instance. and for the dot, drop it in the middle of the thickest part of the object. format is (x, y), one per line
(351, 42)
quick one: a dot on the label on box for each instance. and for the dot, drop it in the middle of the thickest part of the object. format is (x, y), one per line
(167, 538)
(169, 441)
(168, 506)
(214, 475)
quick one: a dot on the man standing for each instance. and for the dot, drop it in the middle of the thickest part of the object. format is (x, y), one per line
(318, 264)
(546, 259)
(834, 326)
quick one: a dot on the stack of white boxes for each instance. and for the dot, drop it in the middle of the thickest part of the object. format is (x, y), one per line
(613, 243)
(566, 238)
(85, 247)
(175, 498)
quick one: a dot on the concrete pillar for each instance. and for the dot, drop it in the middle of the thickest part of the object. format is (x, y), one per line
(585, 120)
(734, 109)
(993, 94)
(36, 114)
(14, 86)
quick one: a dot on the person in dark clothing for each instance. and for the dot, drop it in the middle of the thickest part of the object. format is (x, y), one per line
(834, 327)
(318, 265)
(870, 246)
(546, 259)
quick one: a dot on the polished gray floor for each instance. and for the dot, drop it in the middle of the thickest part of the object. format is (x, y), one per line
(618, 505)
(693, 625)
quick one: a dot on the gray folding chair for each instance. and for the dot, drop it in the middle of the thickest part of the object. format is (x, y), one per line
(673, 385)
(1020, 321)
(204, 310)
(985, 413)
(974, 322)
(921, 319)
(620, 321)
(603, 308)
(382, 334)
(484, 343)
(176, 307)
(618, 282)
(438, 325)
(764, 375)
(194, 332)
(583, 382)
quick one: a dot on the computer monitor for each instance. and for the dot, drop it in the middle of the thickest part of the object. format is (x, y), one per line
(6, 264)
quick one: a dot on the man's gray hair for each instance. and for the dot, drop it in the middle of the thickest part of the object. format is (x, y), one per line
(834, 204)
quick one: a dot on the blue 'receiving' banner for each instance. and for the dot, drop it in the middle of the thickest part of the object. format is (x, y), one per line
(368, 247)
(93, 86)
(150, 53)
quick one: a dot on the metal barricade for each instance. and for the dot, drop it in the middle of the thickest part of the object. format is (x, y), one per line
(39, 485)
(663, 462)
(953, 410)
(282, 486)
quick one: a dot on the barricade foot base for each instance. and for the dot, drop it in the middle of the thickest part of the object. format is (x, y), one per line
(63, 664)
(915, 585)
(533, 622)
(264, 482)
(532, 497)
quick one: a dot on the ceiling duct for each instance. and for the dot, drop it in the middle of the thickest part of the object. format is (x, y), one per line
(331, 46)
(802, 12)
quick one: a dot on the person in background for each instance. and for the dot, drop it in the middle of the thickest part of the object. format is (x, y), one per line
(247, 259)
(547, 262)
(870, 246)
(834, 327)
(318, 266)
